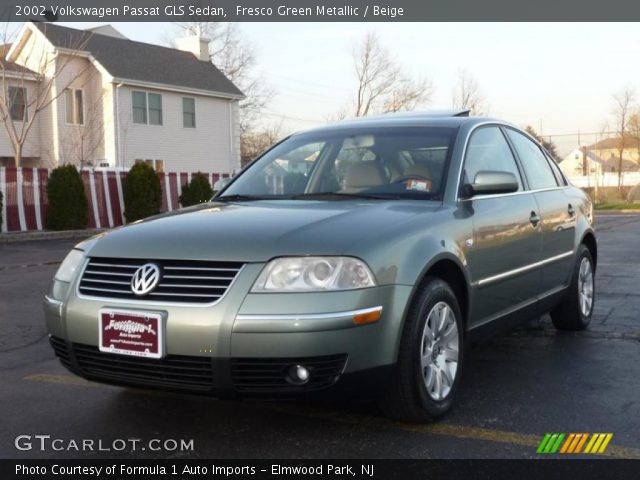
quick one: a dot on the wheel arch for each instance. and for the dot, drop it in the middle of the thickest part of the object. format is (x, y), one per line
(589, 240)
(449, 269)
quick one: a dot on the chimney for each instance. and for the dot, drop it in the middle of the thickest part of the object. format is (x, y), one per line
(195, 44)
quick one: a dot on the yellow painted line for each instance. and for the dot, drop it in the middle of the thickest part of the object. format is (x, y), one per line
(605, 443)
(62, 380)
(596, 446)
(445, 429)
(74, 381)
(590, 444)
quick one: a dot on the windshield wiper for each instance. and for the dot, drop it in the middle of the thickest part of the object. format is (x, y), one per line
(340, 195)
(237, 198)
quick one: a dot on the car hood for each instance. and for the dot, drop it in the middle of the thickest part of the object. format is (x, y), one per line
(257, 231)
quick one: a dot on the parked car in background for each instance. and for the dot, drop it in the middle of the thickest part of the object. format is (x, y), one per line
(365, 253)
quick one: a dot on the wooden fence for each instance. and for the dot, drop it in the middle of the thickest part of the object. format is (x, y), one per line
(24, 192)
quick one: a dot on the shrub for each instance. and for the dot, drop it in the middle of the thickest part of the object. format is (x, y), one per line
(142, 192)
(68, 204)
(197, 191)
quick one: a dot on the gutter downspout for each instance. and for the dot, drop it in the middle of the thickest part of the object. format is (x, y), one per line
(231, 135)
(117, 125)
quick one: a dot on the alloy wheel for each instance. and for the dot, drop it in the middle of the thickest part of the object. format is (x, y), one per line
(585, 286)
(439, 351)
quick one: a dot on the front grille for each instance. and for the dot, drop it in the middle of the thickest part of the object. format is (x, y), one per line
(174, 371)
(181, 281)
(268, 375)
(61, 350)
(250, 376)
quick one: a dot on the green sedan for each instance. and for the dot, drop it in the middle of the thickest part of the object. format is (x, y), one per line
(360, 257)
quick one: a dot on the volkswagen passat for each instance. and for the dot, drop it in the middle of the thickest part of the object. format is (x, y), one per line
(366, 253)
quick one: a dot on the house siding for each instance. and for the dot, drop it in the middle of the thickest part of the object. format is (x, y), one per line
(31, 147)
(81, 144)
(213, 145)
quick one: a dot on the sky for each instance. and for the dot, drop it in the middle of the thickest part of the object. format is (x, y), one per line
(557, 77)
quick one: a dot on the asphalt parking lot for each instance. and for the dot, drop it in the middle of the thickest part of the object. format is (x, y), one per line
(516, 388)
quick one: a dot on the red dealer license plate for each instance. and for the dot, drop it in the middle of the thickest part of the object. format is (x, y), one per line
(131, 333)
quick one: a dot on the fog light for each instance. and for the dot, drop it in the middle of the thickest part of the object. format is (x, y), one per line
(298, 374)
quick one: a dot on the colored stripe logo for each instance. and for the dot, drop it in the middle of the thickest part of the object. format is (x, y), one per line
(594, 443)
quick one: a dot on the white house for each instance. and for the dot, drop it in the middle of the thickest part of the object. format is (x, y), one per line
(118, 101)
(581, 161)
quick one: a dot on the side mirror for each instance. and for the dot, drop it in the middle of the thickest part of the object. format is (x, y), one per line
(490, 183)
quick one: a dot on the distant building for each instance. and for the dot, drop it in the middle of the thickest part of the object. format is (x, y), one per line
(609, 150)
(582, 162)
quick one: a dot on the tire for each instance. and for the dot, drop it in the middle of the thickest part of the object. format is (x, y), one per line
(412, 394)
(576, 309)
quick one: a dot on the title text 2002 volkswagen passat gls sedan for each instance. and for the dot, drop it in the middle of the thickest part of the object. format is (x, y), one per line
(364, 253)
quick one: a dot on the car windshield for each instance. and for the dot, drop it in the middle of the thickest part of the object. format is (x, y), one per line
(392, 162)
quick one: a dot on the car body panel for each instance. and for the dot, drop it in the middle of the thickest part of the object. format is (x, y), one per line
(511, 268)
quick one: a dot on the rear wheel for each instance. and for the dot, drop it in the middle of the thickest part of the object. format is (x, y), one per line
(430, 356)
(575, 311)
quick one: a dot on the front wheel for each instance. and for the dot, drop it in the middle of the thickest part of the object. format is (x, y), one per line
(430, 357)
(575, 311)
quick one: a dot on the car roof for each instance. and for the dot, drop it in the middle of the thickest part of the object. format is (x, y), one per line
(439, 118)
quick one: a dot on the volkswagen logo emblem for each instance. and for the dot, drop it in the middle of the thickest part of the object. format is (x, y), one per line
(145, 279)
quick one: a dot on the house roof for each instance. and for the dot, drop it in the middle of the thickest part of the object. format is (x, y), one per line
(614, 143)
(130, 60)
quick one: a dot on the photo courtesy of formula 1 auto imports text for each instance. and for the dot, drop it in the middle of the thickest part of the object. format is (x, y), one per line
(319, 239)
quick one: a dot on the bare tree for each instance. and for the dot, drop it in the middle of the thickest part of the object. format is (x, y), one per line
(623, 103)
(32, 83)
(467, 95)
(382, 84)
(259, 140)
(235, 56)
(633, 126)
(83, 141)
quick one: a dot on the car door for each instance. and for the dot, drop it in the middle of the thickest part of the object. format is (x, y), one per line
(506, 239)
(557, 213)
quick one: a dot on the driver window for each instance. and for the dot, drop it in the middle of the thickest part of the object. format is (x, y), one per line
(489, 150)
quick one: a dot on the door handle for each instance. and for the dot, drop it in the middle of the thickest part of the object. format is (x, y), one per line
(571, 210)
(534, 219)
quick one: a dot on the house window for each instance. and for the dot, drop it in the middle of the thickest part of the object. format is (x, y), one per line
(155, 108)
(18, 103)
(188, 112)
(157, 165)
(139, 101)
(147, 108)
(74, 106)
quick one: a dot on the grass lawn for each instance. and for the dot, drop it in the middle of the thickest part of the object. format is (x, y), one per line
(617, 206)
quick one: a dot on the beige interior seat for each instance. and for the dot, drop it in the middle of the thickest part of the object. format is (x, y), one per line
(364, 175)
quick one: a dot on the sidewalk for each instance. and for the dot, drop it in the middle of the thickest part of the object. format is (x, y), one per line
(48, 235)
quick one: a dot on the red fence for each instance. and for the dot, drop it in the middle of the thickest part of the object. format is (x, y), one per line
(24, 193)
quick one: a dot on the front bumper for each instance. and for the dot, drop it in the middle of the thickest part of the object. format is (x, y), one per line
(243, 344)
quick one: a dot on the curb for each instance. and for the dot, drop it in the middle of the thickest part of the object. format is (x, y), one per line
(48, 235)
(626, 211)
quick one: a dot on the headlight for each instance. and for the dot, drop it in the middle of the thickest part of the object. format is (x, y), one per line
(69, 266)
(313, 274)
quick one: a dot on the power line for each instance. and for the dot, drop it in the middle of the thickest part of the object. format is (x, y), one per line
(307, 82)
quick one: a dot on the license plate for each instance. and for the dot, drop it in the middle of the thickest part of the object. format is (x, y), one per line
(131, 333)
